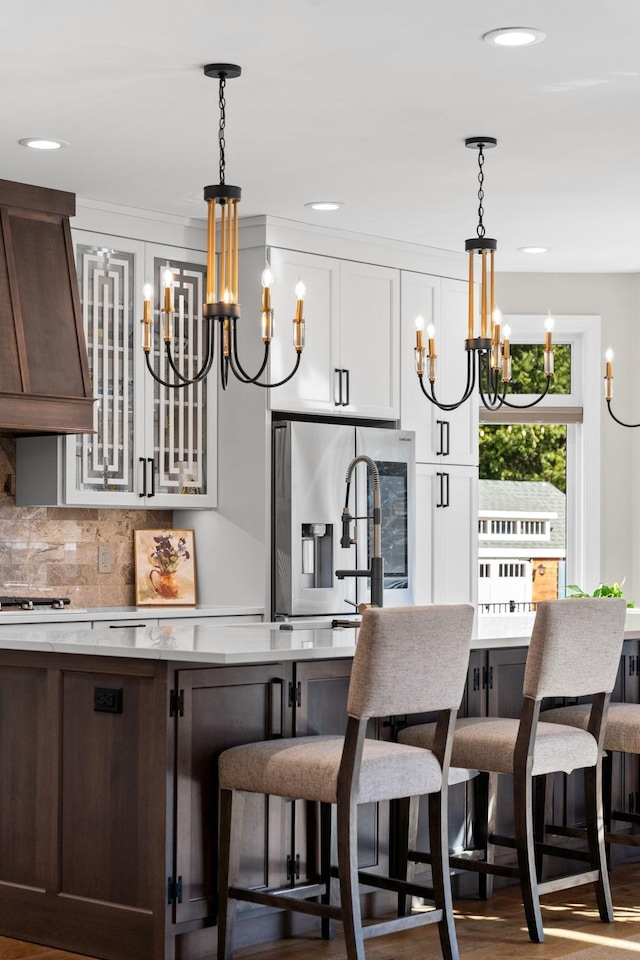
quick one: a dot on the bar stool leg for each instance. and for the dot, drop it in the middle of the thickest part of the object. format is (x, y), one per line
(595, 835)
(523, 810)
(231, 813)
(439, 842)
(540, 819)
(348, 873)
(328, 856)
(486, 793)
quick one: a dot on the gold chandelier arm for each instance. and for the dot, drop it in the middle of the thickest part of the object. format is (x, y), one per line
(621, 422)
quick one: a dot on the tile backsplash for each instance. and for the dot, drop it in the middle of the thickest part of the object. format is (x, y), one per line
(53, 551)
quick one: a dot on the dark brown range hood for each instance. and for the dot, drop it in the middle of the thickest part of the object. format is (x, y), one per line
(45, 385)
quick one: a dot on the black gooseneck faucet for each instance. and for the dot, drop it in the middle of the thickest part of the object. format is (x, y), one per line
(375, 571)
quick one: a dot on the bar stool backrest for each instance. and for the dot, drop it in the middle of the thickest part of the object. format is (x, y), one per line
(410, 660)
(575, 647)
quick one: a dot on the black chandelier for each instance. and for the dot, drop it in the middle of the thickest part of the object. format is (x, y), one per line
(489, 354)
(222, 283)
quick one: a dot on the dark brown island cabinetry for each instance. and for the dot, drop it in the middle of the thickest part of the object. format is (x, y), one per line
(108, 792)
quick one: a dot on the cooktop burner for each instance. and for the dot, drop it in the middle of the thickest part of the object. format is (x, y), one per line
(29, 603)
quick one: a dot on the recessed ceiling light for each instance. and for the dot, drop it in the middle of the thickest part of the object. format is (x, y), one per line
(324, 205)
(39, 143)
(533, 249)
(513, 36)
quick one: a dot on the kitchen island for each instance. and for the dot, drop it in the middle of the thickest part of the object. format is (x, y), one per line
(108, 773)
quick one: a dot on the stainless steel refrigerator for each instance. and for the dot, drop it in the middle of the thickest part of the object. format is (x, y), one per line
(310, 463)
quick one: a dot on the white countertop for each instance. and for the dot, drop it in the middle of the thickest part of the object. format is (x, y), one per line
(206, 644)
(234, 643)
(71, 614)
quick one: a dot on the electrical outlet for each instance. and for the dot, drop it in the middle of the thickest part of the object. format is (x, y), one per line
(105, 558)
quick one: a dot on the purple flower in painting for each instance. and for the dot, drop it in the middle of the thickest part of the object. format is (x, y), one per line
(168, 553)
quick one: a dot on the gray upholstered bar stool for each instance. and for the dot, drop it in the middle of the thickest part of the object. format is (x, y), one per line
(622, 735)
(407, 660)
(574, 651)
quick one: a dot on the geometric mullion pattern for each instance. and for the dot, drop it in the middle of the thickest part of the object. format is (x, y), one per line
(179, 416)
(104, 460)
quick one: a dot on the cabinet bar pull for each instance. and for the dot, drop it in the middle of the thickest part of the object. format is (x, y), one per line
(347, 388)
(276, 709)
(440, 490)
(439, 451)
(153, 477)
(337, 379)
(447, 477)
(144, 477)
(447, 450)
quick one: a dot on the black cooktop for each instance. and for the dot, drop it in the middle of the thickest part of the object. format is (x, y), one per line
(30, 603)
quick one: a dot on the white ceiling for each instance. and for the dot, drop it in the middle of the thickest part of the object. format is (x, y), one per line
(363, 101)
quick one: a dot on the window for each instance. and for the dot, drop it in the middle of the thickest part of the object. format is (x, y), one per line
(565, 429)
(512, 570)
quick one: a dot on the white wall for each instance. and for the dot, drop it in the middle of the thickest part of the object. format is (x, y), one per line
(616, 299)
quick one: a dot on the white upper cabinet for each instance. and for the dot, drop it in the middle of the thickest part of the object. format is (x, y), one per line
(349, 366)
(445, 436)
(153, 446)
(446, 534)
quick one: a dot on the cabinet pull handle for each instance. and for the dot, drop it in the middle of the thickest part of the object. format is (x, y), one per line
(144, 477)
(440, 490)
(338, 380)
(121, 626)
(153, 477)
(276, 709)
(439, 450)
(447, 425)
(447, 477)
(347, 388)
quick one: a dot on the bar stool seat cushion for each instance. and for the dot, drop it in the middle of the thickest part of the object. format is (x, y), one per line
(488, 744)
(623, 723)
(307, 767)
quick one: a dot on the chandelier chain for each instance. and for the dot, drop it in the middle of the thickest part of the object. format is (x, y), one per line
(480, 229)
(221, 141)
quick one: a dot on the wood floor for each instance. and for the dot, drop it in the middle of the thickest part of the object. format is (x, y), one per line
(491, 930)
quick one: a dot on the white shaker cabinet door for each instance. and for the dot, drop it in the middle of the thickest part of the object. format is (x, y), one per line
(312, 388)
(446, 534)
(369, 340)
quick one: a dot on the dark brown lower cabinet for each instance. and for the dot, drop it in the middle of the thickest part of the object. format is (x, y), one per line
(108, 792)
(82, 801)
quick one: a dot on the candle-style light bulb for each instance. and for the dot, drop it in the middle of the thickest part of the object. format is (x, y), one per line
(298, 320)
(147, 291)
(431, 351)
(506, 353)
(548, 346)
(608, 374)
(167, 282)
(419, 348)
(496, 333)
(266, 310)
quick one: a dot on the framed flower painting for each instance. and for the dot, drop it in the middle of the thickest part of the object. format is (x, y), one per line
(165, 569)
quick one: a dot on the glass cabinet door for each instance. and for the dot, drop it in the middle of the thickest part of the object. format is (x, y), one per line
(104, 462)
(179, 417)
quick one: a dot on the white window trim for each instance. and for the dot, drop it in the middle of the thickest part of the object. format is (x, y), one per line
(583, 460)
